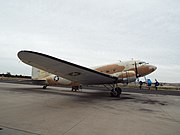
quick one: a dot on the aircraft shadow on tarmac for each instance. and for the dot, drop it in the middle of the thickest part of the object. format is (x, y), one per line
(89, 96)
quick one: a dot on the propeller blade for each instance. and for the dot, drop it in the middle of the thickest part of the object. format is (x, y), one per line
(136, 71)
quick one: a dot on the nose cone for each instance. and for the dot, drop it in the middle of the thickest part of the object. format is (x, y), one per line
(152, 68)
(146, 69)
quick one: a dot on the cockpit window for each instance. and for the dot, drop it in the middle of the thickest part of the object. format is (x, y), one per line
(142, 63)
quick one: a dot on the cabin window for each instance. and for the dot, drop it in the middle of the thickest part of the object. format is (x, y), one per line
(107, 71)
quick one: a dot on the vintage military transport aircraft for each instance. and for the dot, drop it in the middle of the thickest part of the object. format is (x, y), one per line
(48, 70)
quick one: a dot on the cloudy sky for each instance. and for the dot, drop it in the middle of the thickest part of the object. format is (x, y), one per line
(92, 32)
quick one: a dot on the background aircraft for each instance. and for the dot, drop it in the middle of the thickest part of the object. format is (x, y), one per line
(48, 70)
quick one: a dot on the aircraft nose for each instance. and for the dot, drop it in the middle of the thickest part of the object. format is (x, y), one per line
(152, 68)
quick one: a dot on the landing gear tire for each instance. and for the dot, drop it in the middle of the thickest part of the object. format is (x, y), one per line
(116, 92)
(45, 86)
(75, 88)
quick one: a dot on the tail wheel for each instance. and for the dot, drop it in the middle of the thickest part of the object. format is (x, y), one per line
(45, 86)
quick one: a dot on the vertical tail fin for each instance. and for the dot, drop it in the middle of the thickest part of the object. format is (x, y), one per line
(38, 74)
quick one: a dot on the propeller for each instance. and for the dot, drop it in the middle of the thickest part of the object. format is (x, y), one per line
(136, 71)
(137, 74)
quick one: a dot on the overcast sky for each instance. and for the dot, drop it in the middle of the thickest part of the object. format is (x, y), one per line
(92, 32)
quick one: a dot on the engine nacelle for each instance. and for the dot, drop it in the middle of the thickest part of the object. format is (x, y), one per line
(126, 76)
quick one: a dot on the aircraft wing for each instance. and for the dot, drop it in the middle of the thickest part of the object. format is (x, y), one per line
(65, 69)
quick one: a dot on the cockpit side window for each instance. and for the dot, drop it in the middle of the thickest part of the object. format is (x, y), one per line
(141, 63)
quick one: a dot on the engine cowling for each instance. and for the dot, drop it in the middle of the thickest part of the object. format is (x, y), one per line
(126, 76)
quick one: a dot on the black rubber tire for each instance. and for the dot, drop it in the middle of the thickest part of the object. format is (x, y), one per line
(119, 91)
(116, 92)
(45, 86)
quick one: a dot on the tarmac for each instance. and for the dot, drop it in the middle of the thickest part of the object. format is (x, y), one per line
(31, 110)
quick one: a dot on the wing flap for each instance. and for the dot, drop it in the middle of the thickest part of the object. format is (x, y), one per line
(65, 69)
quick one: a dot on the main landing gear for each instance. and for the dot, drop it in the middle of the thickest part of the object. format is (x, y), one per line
(76, 88)
(116, 92)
